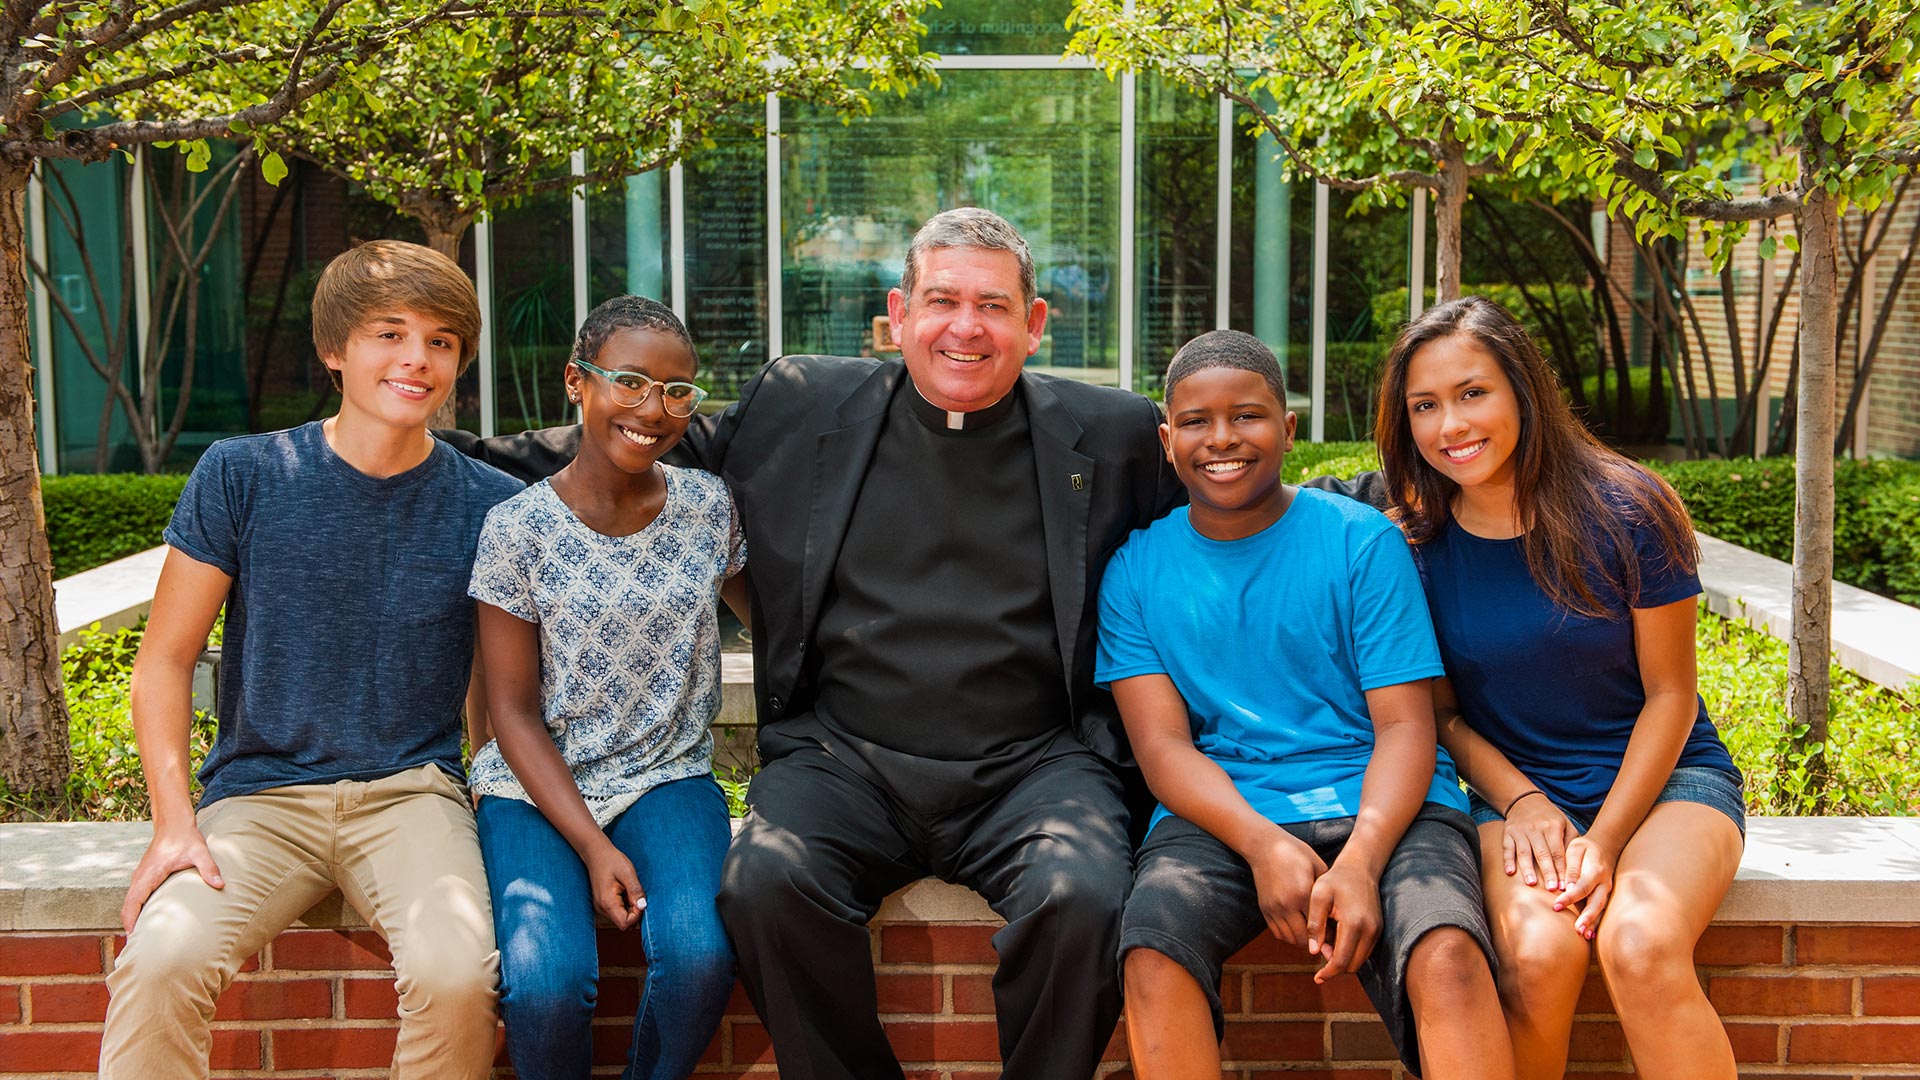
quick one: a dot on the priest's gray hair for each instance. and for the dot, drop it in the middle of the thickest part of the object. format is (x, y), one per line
(970, 227)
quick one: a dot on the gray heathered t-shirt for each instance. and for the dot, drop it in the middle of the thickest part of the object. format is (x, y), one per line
(349, 635)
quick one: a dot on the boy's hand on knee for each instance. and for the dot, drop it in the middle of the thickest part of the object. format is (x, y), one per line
(616, 888)
(1350, 898)
(1284, 871)
(170, 851)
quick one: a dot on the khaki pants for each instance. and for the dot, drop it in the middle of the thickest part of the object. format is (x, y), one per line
(403, 851)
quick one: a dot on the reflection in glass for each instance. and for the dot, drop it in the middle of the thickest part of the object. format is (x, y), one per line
(1366, 266)
(1272, 238)
(532, 314)
(726, 228)
(627, 230)
(86, 208)
(1177, 205)
(960, 27)
(1037, 147)
(215, 392)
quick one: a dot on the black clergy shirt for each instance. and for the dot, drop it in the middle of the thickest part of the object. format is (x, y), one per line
(940, 674)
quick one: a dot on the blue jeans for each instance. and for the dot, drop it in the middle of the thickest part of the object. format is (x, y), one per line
(543, 915)
(1701, 784)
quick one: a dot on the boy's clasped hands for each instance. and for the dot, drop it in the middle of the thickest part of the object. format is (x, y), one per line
(1332, 912)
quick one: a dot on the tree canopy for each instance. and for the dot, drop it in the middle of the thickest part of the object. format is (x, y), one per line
(1718, 116)
(82, 80)
(483, 109)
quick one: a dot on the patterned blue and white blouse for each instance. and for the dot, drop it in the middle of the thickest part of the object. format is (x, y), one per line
(629, 642)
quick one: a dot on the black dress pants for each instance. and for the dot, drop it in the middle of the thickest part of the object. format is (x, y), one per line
(824, 846)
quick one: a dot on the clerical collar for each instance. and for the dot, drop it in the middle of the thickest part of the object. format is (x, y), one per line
(941, 420)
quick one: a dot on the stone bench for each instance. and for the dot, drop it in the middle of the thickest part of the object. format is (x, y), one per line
(1813, 962)
(1875, 637)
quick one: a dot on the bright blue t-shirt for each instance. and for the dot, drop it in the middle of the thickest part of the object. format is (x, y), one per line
(1273, 640)
(1557, 693)
(349, 634)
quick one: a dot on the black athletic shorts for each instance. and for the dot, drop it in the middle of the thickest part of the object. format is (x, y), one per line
(1194, 901)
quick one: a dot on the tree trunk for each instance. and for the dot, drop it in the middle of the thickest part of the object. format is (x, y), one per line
(1810, 649)
(1448, 207)
(34, 757)
(444, 235)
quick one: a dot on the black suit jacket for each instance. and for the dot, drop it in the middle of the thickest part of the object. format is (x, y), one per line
(795, 449)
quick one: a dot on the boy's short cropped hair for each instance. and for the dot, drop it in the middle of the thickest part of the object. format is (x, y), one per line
(392, 275)
(1231, 349)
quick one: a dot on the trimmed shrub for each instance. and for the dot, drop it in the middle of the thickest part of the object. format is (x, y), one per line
(1341, 459)
(1575, 300)
(93, 520)
(1876, 530)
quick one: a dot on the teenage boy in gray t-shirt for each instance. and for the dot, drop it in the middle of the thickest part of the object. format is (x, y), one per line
(341, 550)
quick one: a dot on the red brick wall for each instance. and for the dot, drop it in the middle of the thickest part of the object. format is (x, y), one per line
(1893, 413)
(1827, 1001)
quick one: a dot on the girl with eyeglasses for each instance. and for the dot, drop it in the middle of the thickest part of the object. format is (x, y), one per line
(601, 652)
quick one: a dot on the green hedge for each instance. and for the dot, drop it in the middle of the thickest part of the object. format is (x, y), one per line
(96, 519)
(1876, 531)
(1341, 459)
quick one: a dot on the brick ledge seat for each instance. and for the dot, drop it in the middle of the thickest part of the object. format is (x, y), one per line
(1813, 962)
(73, 876)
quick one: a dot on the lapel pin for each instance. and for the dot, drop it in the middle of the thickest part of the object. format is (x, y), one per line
(1077, 481)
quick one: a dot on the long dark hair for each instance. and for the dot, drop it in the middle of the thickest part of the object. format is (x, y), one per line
(1575, 497)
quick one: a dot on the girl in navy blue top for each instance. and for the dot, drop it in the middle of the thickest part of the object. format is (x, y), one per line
(1561, 578)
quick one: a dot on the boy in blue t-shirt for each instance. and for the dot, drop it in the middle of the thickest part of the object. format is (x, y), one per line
(1270, 652)
(341, 551)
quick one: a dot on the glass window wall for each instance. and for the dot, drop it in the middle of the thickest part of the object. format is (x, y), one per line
(726, 259)
(1038, 147)
(1270, 280)
(1176, 237)
(532, 316)
(1039, 143)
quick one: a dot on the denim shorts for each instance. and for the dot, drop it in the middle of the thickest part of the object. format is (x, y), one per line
(1703, 784)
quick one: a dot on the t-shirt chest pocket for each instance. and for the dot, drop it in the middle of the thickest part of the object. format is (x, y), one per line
(429, 589)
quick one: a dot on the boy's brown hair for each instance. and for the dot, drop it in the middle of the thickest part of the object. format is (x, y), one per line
(392, 275)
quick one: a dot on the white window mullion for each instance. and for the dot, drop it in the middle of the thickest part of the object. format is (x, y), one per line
(677, 238)
(580, 299)
(776, 333)
(1223, 223)
(1128, 179)
(1417, 259)
(142, 272)
(483, 286)
(1317, 388)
